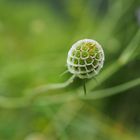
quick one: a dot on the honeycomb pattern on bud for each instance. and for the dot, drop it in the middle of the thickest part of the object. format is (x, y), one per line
(85, 58)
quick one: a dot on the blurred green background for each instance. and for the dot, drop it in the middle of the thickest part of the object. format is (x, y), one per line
(35, 36)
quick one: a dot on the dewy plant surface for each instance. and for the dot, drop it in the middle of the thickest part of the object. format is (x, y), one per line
(85, 58)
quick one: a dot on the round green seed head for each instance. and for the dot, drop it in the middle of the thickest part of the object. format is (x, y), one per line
(85, 58)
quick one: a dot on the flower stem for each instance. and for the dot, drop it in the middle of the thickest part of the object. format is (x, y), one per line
(84, 87)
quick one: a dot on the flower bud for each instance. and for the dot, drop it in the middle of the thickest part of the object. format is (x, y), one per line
(85, 58)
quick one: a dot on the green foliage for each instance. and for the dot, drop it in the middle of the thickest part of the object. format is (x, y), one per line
(35, 37)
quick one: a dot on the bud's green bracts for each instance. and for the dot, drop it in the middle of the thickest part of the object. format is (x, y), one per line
(85, 58)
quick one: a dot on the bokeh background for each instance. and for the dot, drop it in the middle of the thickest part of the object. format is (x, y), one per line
(35, 36)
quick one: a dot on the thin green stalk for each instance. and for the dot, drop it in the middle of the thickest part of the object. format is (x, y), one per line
(46, 88)
(18, 102)
(114, 90)
(90, 96)
(84, 87)
(129, 52)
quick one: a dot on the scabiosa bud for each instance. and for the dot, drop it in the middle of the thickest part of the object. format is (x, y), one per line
(85, 58)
